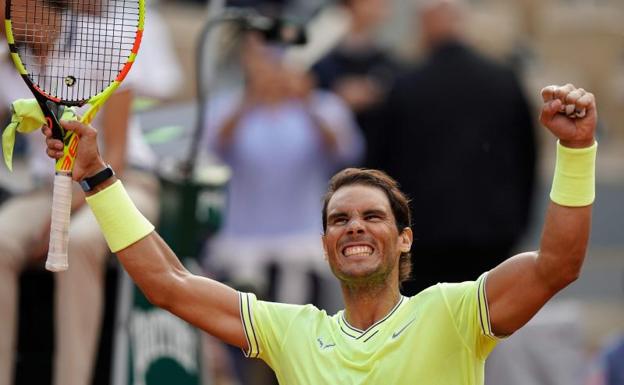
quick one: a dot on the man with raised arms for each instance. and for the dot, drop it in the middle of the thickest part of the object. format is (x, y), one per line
(439, 336)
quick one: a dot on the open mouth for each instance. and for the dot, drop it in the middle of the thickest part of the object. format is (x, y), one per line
(357, 251)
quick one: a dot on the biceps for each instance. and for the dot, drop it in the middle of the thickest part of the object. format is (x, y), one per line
(516, 291)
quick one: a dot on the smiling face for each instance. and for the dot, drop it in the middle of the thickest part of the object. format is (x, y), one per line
(361, 240)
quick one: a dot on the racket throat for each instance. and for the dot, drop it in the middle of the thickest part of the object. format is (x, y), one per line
(53, 119)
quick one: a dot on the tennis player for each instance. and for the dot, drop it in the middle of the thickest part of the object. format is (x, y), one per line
(440, 336)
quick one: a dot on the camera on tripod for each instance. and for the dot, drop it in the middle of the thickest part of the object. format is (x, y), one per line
(277, 30)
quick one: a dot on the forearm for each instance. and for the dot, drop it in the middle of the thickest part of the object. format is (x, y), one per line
(328, 137)
(228, 128)
(563, 245)
(154, 267)
(568, 219)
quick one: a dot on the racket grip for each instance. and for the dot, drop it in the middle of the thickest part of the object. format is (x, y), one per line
(59, 228)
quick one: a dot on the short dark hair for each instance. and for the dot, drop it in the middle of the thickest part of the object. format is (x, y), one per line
(399, 203)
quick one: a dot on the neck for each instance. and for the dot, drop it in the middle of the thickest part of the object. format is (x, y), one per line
(357, 41)
(361, 30)
(365, 305)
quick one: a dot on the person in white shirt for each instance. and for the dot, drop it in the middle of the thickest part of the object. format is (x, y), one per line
(25, 223)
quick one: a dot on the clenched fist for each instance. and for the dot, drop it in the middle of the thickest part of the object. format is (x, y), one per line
(570, 114)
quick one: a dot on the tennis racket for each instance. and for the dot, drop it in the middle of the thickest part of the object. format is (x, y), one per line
(71, 53)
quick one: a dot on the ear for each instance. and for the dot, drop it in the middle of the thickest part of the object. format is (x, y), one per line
(405, 240)
(324, 247)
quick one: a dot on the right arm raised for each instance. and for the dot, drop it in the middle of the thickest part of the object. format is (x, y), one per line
(154, 267)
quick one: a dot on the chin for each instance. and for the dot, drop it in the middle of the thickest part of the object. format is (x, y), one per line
(362, 276)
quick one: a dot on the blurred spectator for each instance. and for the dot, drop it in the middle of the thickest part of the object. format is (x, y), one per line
(158, 59)
(609, 369)
(25, 225)
(549, 349)
(282, 140)
(459, 137)
(359, 70)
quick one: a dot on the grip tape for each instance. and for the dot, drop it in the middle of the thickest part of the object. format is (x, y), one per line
(59, 228)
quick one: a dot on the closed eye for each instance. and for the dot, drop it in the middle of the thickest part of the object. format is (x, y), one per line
(338, 220)
(374, 215)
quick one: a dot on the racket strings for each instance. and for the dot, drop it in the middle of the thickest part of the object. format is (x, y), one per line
(76, 50)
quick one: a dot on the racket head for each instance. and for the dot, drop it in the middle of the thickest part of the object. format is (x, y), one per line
(73, 52)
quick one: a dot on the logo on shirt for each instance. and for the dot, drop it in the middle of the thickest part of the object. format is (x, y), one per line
(323, 345)
(398, 332)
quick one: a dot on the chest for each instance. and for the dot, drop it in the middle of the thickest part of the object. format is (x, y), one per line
(413, 351)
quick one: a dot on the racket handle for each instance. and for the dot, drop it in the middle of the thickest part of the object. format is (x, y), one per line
(59, 228)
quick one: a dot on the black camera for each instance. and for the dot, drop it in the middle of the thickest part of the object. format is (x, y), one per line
(278, 29)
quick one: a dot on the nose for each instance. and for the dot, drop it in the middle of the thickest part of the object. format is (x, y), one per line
(355, 226)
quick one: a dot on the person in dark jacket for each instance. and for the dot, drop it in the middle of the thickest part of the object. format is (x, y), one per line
(359, 69)
(459, 137)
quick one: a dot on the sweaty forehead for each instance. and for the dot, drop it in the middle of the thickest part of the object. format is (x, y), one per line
(358, 197)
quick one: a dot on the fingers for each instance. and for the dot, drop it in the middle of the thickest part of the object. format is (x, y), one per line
(54, 153)
(587, 101)
(548, 93)
(550, 110)
(80, 129)
(574, 102)
(54, 146)
(574, 95)
(562, 92)
(47, 131)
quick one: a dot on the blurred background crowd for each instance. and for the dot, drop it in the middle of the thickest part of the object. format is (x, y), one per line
(243, 124)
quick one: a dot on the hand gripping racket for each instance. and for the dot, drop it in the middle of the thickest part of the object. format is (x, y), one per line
(71, 53)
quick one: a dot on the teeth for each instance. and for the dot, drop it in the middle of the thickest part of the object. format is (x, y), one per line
(358, 250)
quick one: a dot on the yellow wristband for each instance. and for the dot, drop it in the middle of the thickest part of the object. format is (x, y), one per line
(121, 222)
(574, 181)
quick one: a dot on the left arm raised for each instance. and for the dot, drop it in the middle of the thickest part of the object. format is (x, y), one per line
(519, 287)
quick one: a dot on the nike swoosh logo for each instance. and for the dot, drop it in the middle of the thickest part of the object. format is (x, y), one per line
(398, 332)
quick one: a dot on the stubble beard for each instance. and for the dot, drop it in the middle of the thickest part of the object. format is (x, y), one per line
(371, 282)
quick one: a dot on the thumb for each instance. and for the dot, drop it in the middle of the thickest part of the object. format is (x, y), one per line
(79, 128)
